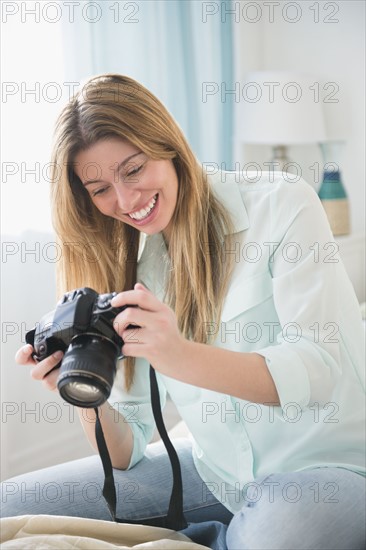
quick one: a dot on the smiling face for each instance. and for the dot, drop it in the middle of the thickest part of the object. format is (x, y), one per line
(125, 184)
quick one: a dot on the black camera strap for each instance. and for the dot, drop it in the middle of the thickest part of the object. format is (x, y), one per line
(175, 517)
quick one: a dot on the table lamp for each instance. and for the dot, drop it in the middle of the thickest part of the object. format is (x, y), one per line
(280, 108)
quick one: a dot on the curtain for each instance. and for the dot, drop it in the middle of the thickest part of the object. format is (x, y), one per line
(182, 50)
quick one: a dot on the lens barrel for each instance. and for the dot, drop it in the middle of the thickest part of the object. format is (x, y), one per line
(88, 370)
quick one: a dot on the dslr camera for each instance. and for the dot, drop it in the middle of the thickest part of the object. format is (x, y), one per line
(82, 327)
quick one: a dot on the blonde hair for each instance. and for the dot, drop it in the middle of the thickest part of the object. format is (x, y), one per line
(101, 252)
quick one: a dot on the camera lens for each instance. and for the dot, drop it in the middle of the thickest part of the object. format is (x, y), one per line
(88, 370)
(82, 392)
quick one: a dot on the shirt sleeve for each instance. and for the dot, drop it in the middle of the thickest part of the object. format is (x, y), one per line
(307, 276)
(135, 406)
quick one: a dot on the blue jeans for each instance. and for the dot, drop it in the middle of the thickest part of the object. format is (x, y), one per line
(322, 508)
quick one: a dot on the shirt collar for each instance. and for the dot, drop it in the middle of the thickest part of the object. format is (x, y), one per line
(226, 188)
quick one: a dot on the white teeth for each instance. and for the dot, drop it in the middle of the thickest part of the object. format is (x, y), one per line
(141, 214)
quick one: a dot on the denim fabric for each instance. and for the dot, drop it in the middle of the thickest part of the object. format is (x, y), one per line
(315, 509)
(75, 489)
(321, 508)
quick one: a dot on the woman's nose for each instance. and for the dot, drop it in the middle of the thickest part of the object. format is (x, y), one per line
(127, 199)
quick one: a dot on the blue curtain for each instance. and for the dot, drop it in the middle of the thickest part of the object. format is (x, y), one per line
(182, 50)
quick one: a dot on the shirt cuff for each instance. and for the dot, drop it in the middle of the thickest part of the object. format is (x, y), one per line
(289, 375)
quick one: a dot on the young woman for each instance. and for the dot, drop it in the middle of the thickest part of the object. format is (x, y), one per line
(246, 313)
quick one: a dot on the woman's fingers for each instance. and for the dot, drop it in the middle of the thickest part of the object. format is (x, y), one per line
(132, 316)
(140, 297)
(50, 380)
(40, 370)
(139, 286)
(155, 334)
(24, 355)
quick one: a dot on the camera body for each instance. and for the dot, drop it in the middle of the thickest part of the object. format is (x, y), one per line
(82, 327)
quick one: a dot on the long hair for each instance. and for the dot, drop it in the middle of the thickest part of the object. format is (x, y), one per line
(101, 252)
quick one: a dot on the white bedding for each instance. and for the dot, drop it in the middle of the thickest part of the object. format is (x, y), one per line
(63, 533)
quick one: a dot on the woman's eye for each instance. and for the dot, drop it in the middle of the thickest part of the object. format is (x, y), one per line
(99, 191)
(134, 171)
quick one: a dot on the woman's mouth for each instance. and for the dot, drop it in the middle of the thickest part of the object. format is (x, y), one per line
(145, 214)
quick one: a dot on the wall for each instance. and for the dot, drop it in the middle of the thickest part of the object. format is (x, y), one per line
(38, 428)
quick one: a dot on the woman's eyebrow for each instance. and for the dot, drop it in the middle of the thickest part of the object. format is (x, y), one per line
(120, 165)
(124, 162)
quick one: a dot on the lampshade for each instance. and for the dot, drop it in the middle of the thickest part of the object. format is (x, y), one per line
(280, 108)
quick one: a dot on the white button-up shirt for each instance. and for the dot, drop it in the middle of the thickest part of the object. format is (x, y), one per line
(291, 301)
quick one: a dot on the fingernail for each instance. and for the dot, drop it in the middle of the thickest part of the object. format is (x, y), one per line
(27, 348)
(57, 355)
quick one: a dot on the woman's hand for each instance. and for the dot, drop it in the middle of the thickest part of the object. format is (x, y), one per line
(156, 336)
(40, 370)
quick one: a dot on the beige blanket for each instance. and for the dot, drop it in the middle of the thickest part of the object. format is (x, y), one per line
(64, 533)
